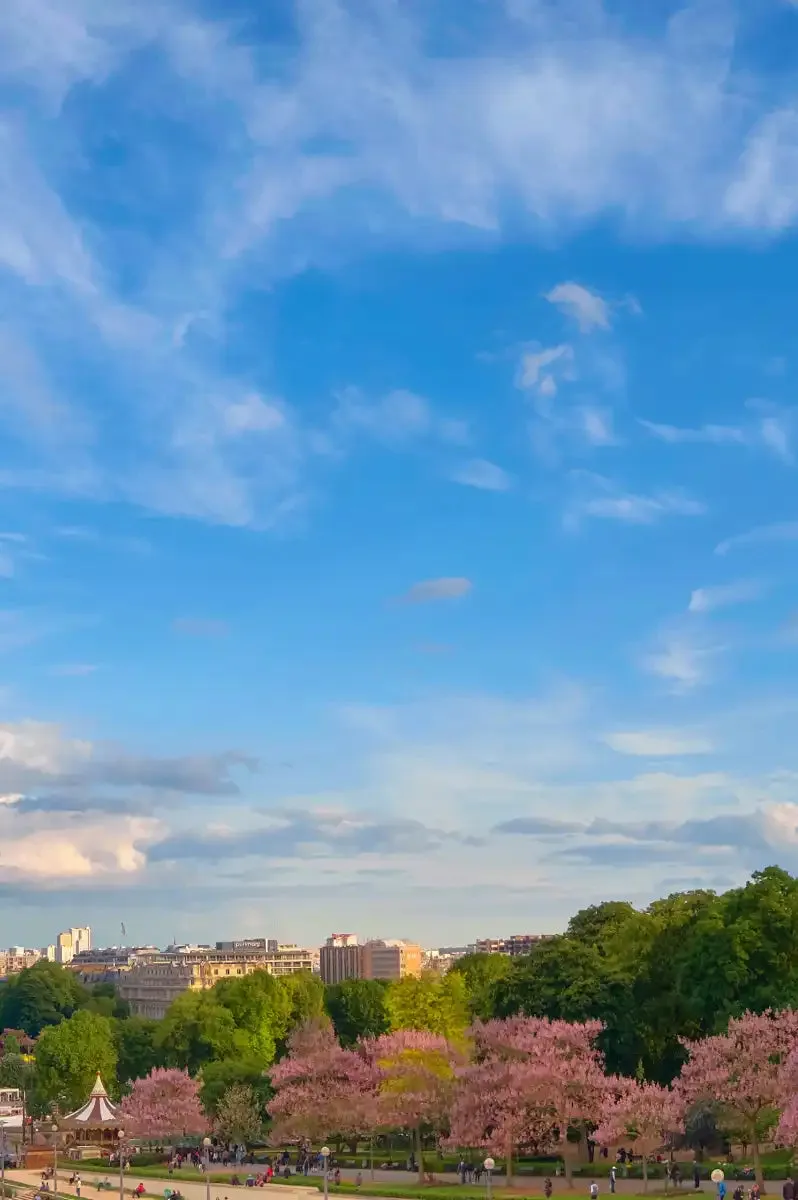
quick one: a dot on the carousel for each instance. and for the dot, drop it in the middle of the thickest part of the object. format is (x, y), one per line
(93, 1130)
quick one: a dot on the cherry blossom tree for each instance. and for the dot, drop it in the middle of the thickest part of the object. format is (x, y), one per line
(416, 1081)
(496, 1105)
(743, 1073)
(165, 1104)
(321, 1088)
(644, 1114)
(787, 1131)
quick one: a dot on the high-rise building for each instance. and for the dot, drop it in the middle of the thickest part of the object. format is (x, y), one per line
(339, 958)
(71, 942)
(390, 959)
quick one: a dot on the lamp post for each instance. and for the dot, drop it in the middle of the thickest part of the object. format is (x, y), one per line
(2, 1160)
(325, 1154)
(206, 1145)
(121, 1142)
(54, 1128)
(488, 1164)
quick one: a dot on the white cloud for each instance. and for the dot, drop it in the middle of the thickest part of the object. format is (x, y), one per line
(779, 531)
(533, 372)
(772, 432)
(775, 434)
(587, 308)
(601, 498)
(597, 425)
(479, 473)
(658, 743)
(707, 599)
(717, 435)
(681, 659)
(448, 588)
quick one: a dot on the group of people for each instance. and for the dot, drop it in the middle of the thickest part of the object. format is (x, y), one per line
(467, 1172)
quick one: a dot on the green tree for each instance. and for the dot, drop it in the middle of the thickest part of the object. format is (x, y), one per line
(104, 999)
(238, 1117)
(196, 1030)
(357, 1009)
(573, 980)
(68, 1058)
(432, 1002)
(482, 974)
(41, 995)
(218, 1077)
(15, 1072)
(137, 1048)
(261, 1009)
(305, 994)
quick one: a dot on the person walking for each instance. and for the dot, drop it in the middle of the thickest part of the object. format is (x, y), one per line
(613, 1175)
(77, 1186)
(788, 1190)
(594, 1190)
(696, 1176)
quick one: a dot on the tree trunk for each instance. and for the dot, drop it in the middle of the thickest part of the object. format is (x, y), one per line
(371, 1156)
(420, 1154)
(757, 1163)
(567, 1167)
(509, 1160)
(645, 1173)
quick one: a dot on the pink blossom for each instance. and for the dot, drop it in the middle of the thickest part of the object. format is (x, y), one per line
(643, 1114)
(321, 1089)
(164, 1104)
(532, 1080)
(744, 1072)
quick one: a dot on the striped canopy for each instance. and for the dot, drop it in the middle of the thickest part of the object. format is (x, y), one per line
(97, 1113)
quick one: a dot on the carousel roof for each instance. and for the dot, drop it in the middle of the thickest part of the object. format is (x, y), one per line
(97, 1112)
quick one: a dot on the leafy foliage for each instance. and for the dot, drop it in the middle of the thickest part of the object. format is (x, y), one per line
(238, 1117)
(42, 995)
(68, 1058)
(357, 1009)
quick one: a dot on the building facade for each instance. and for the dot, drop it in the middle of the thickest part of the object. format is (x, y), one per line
(339, 958)
(71, 942)
(151, 985)
(517, 943)
(106, 964)
(390, 959)
(16, 959)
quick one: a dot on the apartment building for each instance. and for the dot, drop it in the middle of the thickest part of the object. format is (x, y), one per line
(339, 958)
(106, 964)
(71, 942)
(390, 959)
(517, 943)
(16, 959)
(151, 985)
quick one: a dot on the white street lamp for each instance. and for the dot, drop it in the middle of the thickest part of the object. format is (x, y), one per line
(325, 1154)
(120, 1133)
(54, 1128)
(206, 1145)
(488, 1164)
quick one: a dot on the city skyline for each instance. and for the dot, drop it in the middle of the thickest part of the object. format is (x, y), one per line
(398, 462)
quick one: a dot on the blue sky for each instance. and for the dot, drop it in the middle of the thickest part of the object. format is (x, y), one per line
(398, 461)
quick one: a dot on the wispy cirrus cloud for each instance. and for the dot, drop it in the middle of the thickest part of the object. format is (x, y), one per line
(778, 531)
(601, 498)
(684, 659)
(658, 743)
(725, 595)
(587, 308)
(430, 590)
(484, 475)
